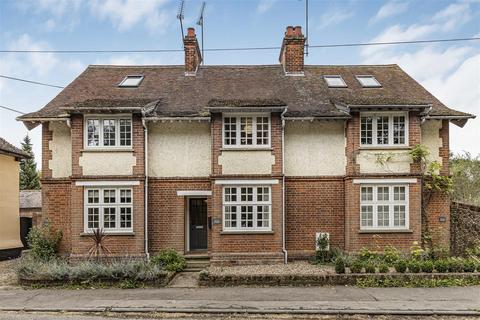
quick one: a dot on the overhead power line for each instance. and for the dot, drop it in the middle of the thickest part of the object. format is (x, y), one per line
(30, 81)
(334, 45)
(10, 109)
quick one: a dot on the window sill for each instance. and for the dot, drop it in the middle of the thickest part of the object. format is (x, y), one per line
(246, 232)
(247, 149)
(107, 150)
(113, 233)
(386, 231)
(385, 148)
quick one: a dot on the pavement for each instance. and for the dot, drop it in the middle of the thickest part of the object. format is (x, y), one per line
(255, 300)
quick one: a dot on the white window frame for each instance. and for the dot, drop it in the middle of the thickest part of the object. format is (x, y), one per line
(123, 85)
(331, 76)
(390, 203)
(254, 144)
(239, 203)
(101, 204)
(390, 115)
(359, 76)
(101, 118)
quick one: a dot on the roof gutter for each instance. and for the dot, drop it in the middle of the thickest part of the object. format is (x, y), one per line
(171, 119)
(315, 118)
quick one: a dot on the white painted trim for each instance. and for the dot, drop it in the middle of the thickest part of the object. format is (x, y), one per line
(384, 181)
(247, 182)
(101, 118)
(107, 183)
(194, 193)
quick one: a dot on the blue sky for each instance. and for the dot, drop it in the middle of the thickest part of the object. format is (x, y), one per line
(450, 71)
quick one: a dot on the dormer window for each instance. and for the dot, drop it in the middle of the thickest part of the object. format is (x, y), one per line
(368, 81)
(335, 81)
(131, 81)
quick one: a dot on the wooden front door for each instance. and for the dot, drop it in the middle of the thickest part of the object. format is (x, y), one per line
(198, 223)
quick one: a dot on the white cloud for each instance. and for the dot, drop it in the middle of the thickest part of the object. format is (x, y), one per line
(334, 17)
(265, 5)
(390, 9)
(452, 16)
(50, 24)
(124, 14)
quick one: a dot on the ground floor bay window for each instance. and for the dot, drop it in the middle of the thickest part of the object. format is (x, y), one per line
(247, 208)
(384, 207)
(108, 208)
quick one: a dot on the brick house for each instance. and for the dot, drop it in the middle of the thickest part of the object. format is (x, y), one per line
(243, 163)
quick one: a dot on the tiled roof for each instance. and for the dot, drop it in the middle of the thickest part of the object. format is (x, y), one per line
(30, 199)
(10, 149)
(172, 94)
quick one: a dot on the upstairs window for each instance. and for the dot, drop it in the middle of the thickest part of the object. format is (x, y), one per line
(131, 81)
(108, 131)
(335, 81)
(368, 81)
(246, 131)
(384, 129)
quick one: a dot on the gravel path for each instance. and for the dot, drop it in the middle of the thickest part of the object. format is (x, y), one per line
(292, 268)
(8, 278)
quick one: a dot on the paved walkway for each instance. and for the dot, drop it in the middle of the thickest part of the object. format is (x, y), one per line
(254, 300)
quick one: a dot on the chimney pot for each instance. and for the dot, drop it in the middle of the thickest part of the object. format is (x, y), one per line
(191, 32)
(289, 31)
(297, 30)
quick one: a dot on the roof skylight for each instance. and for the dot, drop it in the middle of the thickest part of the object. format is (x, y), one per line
(335, 81)
(368, 81)
(131, 81)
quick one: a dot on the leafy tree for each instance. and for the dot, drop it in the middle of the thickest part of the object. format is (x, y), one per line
(29, 178)
(465, 171)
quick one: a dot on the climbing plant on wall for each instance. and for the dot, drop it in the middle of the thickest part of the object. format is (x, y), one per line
(433, 182)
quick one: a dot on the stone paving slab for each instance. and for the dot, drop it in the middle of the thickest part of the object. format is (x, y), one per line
(351, 300)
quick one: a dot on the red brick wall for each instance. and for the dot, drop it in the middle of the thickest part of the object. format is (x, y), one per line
(439, 204)
(56, 209)
(47, 136)
(313, 204)
(167, 211)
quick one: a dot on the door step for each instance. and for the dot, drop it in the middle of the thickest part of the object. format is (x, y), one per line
(197, 262)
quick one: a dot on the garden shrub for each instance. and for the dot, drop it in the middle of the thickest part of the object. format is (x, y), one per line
(441, 265)
(369, 267)
(391, 255)
(413, 266)
(455, 265)
(367, 255)
(170, 260)
(88, 271)
(339, 265)
(44, 242)
(383, 268)
(437, 253)
(427, 266)
(356, 266)
(400, 266)
(416, 251)
(323, 255)
(469, 265)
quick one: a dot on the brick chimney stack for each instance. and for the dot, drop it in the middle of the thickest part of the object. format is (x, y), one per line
(193, 57)
(291, 54)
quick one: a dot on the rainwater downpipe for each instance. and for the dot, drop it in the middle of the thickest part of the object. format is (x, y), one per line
(145, 205)
(284, 247)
